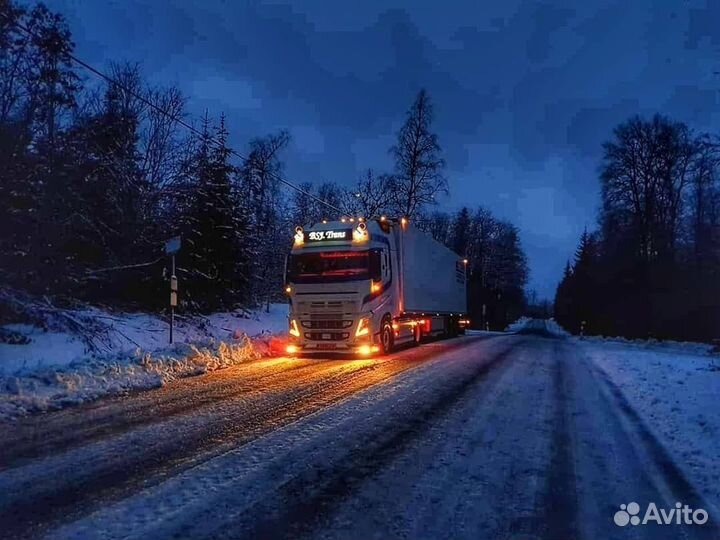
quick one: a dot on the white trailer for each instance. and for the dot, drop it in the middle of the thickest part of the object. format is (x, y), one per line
(367, 286)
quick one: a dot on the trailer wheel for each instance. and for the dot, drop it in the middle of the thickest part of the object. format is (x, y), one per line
(387, 337)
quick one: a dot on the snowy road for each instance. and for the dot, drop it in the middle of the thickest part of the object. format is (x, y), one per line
(510, 437)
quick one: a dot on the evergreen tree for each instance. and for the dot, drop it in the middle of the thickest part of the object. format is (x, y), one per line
(214, 261)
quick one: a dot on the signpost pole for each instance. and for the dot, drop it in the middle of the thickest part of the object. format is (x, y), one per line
(172, 304)
(172, 246)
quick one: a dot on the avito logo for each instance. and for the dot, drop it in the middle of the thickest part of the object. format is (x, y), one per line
(680, 515)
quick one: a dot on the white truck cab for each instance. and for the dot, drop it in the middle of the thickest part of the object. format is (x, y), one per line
(348, 280)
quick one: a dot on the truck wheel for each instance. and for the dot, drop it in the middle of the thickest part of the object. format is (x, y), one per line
(387, 338)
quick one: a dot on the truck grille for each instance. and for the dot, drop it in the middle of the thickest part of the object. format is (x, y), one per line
(327, 336)
(325, 324)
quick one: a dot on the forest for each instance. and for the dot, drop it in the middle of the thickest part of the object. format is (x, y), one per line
(96, 173)
(652, 267)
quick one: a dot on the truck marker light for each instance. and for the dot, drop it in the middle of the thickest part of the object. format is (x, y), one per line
(375, 286)
(363, 328)
(382, 218)
(294, 330)
(291, 349)
(465, 261)
(342, 220)
(360, 233)
(288, 289)
(299, 237)
(403, 222)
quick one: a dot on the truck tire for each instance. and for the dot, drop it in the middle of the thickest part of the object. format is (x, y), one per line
(387, 337)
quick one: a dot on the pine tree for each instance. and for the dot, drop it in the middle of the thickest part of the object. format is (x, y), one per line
(214, 263)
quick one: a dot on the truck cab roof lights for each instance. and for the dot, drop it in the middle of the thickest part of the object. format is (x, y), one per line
(299, 236)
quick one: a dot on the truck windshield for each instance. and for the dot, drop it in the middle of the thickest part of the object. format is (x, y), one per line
(333, 266)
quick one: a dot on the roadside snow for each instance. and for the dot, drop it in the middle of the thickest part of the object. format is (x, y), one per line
(677, 392)
(57, 368)
(688, 347)
(547, 325)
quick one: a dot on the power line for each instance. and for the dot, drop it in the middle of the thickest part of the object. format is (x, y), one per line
(172, 117)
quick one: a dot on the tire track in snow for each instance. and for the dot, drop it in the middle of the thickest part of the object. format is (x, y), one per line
(302, 503)
(559, 501)
(147, 455)
(667, 470)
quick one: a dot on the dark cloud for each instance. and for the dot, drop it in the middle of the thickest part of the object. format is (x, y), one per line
(525, 92)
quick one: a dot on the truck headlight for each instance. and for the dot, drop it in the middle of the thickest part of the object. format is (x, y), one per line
(294, 330)
(363, 328)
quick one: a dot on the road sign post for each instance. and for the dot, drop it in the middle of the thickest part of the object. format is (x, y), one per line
(172, 246)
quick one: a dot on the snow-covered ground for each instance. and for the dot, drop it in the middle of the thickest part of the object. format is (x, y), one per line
(51, 367)
(675, 388)
(519, 436)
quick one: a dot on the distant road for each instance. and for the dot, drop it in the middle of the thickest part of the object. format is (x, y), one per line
(502, 436)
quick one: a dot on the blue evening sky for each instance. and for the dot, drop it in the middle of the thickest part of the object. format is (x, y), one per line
(525, 92)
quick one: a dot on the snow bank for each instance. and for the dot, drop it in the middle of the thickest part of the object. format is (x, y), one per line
(688, 347)
(676, 392)
(547, 325)
(48, 367)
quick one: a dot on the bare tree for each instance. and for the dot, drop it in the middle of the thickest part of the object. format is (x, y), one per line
(371, 196)
(418, 164)
(645, 173)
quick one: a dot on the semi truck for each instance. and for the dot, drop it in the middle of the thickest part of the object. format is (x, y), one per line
(366, 286)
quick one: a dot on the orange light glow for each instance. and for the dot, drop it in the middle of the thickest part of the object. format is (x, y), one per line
(291, 349)
(396, 326)
(367, 350)
(375, 286)
(403, 221)
(360, 233)
(382, 218)
(288, 289)
(342, 220)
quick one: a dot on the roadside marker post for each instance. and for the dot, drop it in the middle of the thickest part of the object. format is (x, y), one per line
(172, 246)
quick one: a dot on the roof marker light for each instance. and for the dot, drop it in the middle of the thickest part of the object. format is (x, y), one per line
(299, 237)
